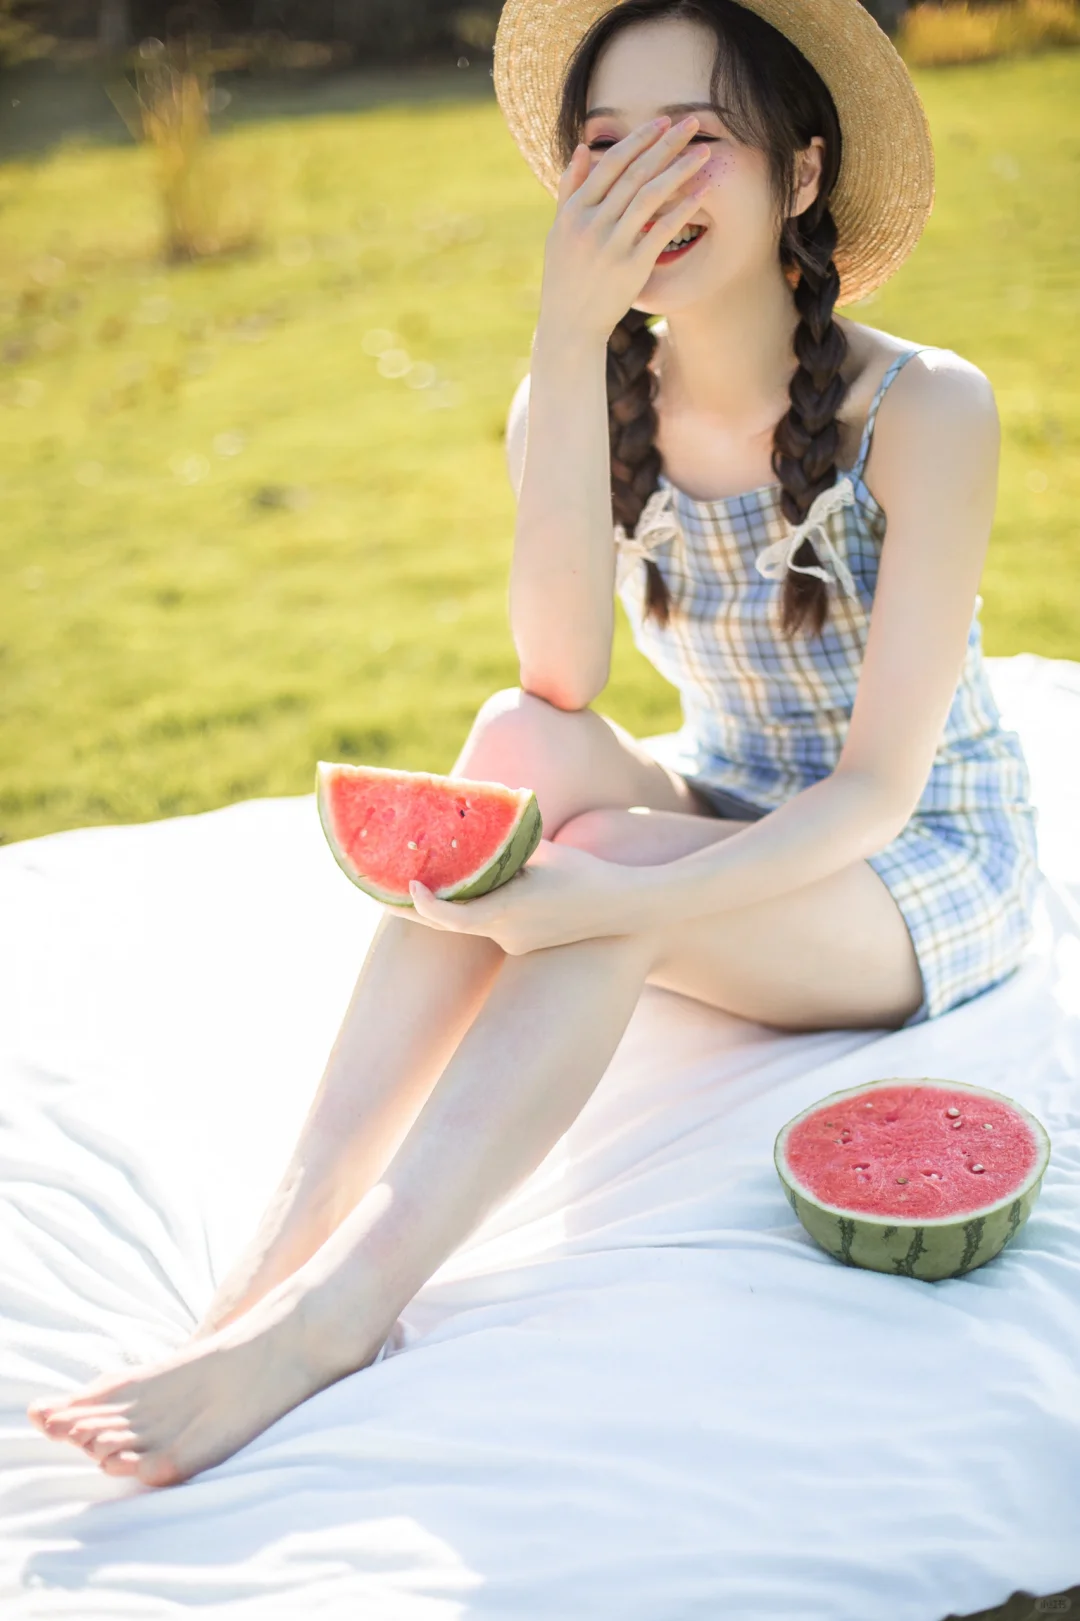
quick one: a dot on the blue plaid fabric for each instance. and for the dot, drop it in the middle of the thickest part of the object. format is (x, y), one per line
(764, 717)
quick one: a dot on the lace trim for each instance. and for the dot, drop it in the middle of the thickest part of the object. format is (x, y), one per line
(776, 559)
(656, 525)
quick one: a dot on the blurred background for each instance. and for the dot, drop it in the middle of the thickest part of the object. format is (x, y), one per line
(269, 274)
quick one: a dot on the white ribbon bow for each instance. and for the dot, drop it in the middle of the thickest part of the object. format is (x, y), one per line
(656, 524)
(775, 559)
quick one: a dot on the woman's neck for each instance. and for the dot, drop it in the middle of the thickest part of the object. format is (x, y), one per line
(730, 360)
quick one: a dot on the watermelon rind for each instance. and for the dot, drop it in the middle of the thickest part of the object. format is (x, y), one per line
(519, 844)
(930, 1248)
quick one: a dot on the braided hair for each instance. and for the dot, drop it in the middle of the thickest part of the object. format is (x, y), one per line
(775, 100)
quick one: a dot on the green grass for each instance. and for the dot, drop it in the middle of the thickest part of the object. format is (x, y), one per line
(172, 640)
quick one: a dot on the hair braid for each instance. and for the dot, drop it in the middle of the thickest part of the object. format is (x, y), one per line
(773, 100)
(632, 424)
(807, 437)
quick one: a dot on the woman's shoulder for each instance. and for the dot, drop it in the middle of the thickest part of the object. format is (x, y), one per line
(926, 399)
(933, 382)
(873, 354)
(935, 410)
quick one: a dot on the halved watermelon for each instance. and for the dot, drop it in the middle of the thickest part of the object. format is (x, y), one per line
(459, 837)
(926, 1178)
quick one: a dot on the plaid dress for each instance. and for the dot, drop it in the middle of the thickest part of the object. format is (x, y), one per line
(764, 717)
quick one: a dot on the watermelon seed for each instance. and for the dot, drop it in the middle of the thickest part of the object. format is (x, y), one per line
(453, 844)
(952, 1113)
(412, 844)
(987, 1126)
(956, 1124)
(901, 1179)
(977, 1167)
(460, 811)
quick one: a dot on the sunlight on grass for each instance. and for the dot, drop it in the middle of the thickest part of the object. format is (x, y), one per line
(257, 510)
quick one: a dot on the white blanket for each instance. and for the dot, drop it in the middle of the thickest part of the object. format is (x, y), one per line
(639, 1393)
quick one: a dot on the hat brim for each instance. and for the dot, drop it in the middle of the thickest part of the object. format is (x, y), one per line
(885, 189)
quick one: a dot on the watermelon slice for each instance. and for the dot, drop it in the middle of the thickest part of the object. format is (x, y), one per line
(459, 837)
(926, 1178)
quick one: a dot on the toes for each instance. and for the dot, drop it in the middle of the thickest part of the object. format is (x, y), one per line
(55, 1414)
(87, 1430)
(158, 1469)
(40, 1411)
(125, 1462)
(81, 1424)
(59, 1423)
(106, 1442)
(102, 1434)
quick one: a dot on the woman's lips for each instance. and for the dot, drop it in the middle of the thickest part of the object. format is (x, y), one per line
(668, 256)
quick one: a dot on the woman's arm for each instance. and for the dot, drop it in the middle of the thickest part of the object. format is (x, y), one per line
(935, 464)
(597, 258)
(563, 568)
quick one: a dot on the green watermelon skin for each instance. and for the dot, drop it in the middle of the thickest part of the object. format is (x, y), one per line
(929, 1250)
(504, 862)
(514, 854)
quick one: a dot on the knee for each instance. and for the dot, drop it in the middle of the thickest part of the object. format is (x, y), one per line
(601, 832)
(517, 715)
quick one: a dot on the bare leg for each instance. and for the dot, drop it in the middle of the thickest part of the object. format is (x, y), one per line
(417, 993)
(419, 990)
(519, 1077)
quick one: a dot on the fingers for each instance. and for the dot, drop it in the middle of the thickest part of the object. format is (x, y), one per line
(650, 175)
(667, 223)
(672, 189)
(618, 158)
(575, 172)
(444, 914)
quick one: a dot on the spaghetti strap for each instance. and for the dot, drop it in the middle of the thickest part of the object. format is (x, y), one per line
(864, 446)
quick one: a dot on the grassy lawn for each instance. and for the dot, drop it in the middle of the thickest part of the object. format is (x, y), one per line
(232, 546)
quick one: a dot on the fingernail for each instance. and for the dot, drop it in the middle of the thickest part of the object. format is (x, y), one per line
(658, 123)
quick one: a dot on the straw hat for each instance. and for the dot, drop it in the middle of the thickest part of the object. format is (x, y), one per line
(885, 189)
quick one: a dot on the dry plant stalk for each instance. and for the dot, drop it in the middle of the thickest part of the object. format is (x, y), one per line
(933, 35)
(205, 212)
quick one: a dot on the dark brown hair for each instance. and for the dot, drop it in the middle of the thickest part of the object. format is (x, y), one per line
(769, 97)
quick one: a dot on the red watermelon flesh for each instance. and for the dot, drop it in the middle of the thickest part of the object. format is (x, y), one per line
(903, 1153)
(920, 1176)
(458, 836)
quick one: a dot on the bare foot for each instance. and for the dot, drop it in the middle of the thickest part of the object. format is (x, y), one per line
(166, 1422)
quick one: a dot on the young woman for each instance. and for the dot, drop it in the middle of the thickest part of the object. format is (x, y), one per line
(848, 838)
